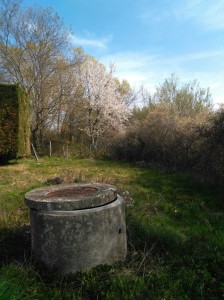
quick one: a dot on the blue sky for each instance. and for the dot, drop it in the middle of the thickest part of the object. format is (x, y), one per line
(148, 40)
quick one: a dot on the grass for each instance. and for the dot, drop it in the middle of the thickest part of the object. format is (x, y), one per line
(174, 225)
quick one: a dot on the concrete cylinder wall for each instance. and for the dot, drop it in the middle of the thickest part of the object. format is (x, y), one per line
(69, 241)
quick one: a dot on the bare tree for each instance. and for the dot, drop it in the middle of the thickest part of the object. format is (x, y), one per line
(68, 113)
(30, 42)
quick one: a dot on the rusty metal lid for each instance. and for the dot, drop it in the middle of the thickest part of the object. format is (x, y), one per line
(71, 196)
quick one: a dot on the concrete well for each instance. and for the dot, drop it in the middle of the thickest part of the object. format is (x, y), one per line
(77, 226)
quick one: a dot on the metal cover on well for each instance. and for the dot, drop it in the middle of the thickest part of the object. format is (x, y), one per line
(70, 196)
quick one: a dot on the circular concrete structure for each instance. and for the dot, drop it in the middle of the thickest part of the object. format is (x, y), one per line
(77, 226)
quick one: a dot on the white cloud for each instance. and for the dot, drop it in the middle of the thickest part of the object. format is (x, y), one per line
(89, 40)
(200, 55)
(132, 66)
(151, 70)
(150, 14)
(210, 13)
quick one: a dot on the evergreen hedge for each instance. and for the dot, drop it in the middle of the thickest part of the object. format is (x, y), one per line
(14, 123)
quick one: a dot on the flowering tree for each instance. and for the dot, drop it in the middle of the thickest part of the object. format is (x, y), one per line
(105, 104)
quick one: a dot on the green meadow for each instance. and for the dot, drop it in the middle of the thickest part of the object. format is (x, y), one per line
(175, 229)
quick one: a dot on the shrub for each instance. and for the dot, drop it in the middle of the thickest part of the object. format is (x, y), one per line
(187, 143)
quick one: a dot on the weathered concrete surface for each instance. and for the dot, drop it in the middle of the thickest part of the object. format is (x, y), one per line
(70, 196)
(72, 240)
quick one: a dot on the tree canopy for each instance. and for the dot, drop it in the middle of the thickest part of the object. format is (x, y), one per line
(36, 52)
(186, 99)
(71, 93)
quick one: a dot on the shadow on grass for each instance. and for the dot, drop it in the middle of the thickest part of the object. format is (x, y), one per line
(15, 244)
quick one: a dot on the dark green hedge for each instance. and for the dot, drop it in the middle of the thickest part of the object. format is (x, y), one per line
(14, 123)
